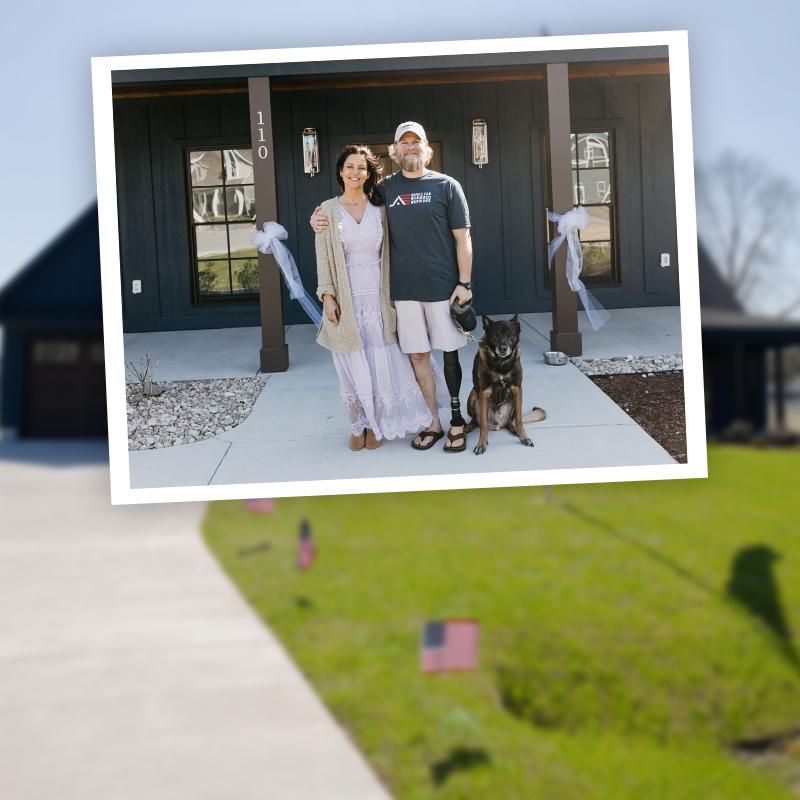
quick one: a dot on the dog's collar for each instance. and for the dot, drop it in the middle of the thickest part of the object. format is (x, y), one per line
(499, 357)
(502, 358)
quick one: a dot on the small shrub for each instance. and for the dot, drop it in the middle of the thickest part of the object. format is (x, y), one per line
(206, 280)
(143, 372)
(247, 275)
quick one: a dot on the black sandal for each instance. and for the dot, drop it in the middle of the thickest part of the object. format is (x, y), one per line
(436, 436)
(454, 437)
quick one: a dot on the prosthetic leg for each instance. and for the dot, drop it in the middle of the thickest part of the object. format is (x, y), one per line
(456, 442)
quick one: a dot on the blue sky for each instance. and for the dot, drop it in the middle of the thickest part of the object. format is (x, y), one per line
(743, 62)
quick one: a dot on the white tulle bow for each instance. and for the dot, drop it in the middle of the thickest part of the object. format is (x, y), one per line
(270, 241)
(569, 224)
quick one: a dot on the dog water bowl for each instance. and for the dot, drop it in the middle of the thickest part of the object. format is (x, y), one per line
(555, 358)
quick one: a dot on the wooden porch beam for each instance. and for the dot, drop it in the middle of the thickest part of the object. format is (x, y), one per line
(564, 335)
(780, 390)
(274, 354)
(536, 72)
(295, 83)
(739, 367)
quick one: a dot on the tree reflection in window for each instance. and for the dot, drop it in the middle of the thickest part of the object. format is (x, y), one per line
(225, 263)
(592, 187)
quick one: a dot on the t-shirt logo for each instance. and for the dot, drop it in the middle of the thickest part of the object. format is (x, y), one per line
(411, 199)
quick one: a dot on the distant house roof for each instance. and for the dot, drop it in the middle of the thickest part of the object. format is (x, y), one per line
(61, 285)
(732, 326)
(724, 319)
(714, 292)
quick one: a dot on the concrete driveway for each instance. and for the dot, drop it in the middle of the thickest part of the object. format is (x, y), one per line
(297, 428)
(130, 667)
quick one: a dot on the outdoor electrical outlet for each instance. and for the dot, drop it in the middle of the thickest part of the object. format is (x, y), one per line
(137, 285)
(665, 259)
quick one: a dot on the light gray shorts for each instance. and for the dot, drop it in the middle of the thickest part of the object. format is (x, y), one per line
(422, 327)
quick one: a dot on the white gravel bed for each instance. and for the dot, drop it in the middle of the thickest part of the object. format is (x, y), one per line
(624, 365)
(189, 411)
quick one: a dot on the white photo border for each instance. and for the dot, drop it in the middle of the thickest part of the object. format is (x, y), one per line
(696, 466)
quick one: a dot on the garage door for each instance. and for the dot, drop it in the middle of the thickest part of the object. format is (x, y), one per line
(65, 386)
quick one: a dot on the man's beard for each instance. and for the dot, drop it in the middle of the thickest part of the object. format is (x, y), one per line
(411, 163)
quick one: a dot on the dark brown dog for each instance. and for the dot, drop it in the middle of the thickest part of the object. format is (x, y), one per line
(496, 398)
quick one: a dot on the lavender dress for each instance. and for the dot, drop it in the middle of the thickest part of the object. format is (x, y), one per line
(377, 382)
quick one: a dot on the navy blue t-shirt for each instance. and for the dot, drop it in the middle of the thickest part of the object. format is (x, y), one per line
(422, 214)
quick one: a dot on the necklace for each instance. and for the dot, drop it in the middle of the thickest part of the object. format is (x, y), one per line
(357, 203)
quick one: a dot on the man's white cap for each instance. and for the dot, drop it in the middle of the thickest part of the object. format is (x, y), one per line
(414, 127)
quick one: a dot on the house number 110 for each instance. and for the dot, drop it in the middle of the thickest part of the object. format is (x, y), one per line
(262, 149)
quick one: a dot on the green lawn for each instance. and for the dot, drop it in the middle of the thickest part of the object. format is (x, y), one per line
(629, 632)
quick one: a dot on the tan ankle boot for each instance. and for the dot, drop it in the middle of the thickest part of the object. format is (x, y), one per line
(356, 442)
(371, 441)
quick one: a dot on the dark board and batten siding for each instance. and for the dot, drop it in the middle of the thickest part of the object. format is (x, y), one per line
(151, 138)
(506, 197)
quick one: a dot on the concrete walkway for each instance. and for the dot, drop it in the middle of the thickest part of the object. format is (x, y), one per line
(297, 428)
(131, 668)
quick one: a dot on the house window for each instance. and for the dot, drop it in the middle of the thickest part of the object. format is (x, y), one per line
(223, 212)
(593, 186)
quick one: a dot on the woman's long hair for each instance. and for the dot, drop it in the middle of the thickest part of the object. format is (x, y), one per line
(374, 171)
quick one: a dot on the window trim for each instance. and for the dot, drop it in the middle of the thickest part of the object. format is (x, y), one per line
(613, 211)
(615, 281)
(196, 299)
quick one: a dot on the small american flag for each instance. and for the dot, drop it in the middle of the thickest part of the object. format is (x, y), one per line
(262, 505)
(306, 550)
(449, 645)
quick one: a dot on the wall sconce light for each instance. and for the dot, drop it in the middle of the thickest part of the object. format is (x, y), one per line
(480, 143)
(310, 152)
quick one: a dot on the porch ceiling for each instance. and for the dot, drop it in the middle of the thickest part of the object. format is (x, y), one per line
(453, 68)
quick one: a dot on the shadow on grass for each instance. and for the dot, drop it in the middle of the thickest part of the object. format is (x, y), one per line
(303, 602)
(650, 552)
(458, 760)
(752, 586)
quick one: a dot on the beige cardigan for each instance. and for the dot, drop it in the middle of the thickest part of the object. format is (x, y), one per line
(332, 279)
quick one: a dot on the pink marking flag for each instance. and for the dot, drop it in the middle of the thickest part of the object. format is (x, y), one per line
(306, 550)
(263, 505)
(451, 644)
